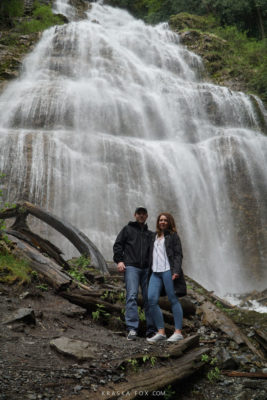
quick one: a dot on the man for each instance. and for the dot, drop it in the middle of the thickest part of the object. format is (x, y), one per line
(131, 251)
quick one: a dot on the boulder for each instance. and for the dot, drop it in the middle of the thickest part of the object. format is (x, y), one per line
(78, 349)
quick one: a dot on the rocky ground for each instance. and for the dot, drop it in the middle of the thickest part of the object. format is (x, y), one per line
(52, 349)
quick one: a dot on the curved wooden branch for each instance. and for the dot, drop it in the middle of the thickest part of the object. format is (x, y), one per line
(82, 243)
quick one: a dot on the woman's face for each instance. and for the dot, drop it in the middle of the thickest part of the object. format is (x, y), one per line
(163, 223)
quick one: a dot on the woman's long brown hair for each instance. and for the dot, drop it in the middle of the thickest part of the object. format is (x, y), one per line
(171, 223)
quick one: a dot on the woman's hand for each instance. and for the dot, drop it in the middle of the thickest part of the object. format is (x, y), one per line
(121, 267)
(175, 276)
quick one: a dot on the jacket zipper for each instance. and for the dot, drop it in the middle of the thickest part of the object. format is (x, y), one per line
(141, 238)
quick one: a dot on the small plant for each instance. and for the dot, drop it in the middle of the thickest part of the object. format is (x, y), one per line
(153, 360)
(77, 275)
(168, 392)
(134, 364)
(189, 286)
(83, 261)
(122, 297)
(78, 267)
(214, 374)
(100, 312)
(141, 314)
(205, 358)
(145, 358)
(42, 287)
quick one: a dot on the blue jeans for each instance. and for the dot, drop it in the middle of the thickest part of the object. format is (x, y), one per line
(133, 278)
(157, 280)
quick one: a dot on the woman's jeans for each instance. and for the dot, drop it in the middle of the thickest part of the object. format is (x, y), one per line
(133, 278)
(157, 280)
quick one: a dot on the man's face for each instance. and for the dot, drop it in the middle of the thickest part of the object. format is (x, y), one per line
(141, 217)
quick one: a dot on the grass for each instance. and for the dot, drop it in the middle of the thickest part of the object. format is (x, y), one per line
(14, 270)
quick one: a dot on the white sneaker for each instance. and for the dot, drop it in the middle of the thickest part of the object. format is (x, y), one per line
(156, 338)
(175, 337)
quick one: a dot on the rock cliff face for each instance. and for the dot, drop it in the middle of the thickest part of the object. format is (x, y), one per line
(194, 34)
(14, 45)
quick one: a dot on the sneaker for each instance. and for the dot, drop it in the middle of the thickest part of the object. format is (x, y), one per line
(175, 337)
(132, 335)
(150, 334)
(156, 338)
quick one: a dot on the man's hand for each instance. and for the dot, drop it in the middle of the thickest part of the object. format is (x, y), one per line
(175, 276)
(121, 267)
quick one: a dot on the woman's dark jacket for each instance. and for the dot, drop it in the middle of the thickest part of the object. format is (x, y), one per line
(175, 256)
(132, 245)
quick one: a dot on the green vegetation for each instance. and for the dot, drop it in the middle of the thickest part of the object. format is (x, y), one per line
(77, 268)
(169, 392)
(230, 35)
(42, 18)
(13, 270)
(100, 312)
(12, 11)
(141, 314)
(134, 364)
(9, 10)
(246, 15)
(214, 373)
(43, 287)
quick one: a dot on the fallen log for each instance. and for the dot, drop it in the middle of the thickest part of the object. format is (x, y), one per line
(173, 351)
(155, 378)
(216, 318)
(52, 272)
(90, 302)
(76, 237)
(258, 375)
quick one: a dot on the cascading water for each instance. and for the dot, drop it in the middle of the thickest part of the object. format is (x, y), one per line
(110, 113)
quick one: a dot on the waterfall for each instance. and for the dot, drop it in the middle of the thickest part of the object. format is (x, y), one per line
(110, 113)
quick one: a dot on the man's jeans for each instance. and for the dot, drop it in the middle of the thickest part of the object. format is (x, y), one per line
(133, 278)
(157, 280)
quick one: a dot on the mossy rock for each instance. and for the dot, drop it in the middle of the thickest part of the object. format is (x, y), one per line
(184, 21)
(248, 318)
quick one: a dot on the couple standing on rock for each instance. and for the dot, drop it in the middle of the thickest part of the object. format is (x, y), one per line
(154, 262)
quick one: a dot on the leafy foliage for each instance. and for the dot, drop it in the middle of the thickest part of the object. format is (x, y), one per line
(42, 18)
(10, 9)
(246, 15)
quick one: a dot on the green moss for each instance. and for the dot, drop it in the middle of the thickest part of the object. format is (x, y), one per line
(14, 270)
(228, 54)
(184, 20)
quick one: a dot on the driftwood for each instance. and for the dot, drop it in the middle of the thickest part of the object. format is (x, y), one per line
(173, 351)
(258, 375)
(47, 267)
(155, 378)
(215, 317)
(90, 302)
(76, 237)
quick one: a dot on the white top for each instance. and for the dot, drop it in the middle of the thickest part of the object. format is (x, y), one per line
(160, 259)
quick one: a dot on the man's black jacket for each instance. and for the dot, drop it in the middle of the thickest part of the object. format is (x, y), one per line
(132, 245)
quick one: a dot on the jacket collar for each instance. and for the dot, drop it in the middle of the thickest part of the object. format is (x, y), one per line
(136, 225)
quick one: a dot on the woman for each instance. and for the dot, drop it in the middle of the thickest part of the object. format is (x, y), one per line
(166, 263)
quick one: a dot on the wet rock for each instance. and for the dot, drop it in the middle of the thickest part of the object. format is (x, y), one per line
(74, 311)
(226, 360)
(74, 348)
(23, 314)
